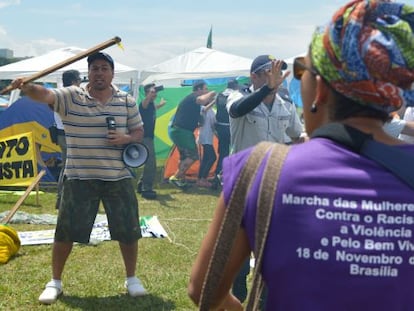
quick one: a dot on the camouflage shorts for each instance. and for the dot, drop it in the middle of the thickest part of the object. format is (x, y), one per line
(80, 204)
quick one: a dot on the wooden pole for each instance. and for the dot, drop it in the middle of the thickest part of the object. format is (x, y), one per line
(66, 62)
(37, 195)
(6, 219)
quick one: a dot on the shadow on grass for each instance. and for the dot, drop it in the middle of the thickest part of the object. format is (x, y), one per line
(25, 203)
(167, 200)
(118, 302)
(194, 189)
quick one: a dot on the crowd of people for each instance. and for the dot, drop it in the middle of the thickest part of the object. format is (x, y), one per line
(356, 85)
(242, 116)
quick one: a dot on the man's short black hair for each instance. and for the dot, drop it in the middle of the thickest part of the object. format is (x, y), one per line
(148, 87)
(69, 77)
(198, 85)
(233, 84)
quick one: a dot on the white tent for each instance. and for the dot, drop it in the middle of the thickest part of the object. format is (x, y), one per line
(200, 63)
(123, 74)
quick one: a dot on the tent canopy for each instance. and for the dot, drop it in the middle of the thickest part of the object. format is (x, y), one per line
(123, 74)
(200, 63)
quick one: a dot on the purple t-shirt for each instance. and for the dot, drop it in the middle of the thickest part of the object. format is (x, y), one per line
(341, 234)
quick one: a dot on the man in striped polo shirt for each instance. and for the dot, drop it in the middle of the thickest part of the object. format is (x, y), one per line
(94, 168)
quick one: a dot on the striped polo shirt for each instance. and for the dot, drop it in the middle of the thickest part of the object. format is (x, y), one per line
(89, 155)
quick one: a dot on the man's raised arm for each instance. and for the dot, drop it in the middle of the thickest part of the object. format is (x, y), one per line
(34, 91)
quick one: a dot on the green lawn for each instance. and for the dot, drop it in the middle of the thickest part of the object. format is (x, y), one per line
(94, 275)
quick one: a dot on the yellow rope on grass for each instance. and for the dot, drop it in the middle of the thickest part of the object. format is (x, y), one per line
(9, 243)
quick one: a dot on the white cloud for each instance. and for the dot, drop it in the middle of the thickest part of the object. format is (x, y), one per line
(5, 3)
(3, 31)
(31, 47)
(49, 43)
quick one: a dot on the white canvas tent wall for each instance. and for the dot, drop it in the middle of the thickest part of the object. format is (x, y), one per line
(123, 74)
(200, 63)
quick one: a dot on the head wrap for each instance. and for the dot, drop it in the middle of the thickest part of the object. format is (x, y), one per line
(366, 53)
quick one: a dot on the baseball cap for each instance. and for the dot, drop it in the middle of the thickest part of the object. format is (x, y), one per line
(100, 55)
(264, 62)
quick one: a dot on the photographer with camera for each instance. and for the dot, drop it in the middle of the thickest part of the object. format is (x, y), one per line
(147, 109)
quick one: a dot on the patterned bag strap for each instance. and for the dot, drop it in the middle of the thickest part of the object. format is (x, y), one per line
(265, 203)
(231, 222)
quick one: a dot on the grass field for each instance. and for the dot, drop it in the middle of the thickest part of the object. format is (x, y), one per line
(94, 275)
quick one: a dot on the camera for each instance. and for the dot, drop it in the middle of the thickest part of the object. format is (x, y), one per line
(110, 122)
(159, 88)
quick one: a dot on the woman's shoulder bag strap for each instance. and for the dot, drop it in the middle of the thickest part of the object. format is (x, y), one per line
(234, 213)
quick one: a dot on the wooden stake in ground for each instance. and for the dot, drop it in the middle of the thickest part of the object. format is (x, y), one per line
(6, 219)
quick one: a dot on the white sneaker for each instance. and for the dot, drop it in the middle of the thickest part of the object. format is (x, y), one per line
(51, 292)
(134, 287)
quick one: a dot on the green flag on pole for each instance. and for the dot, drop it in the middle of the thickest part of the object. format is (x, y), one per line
(210, 38)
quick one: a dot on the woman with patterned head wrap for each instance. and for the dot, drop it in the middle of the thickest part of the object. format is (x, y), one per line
(341, 234)
(365, 57)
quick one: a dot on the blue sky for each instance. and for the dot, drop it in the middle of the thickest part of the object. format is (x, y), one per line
(154, 31)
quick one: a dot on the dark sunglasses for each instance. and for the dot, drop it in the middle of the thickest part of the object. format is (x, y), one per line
(299, 68)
